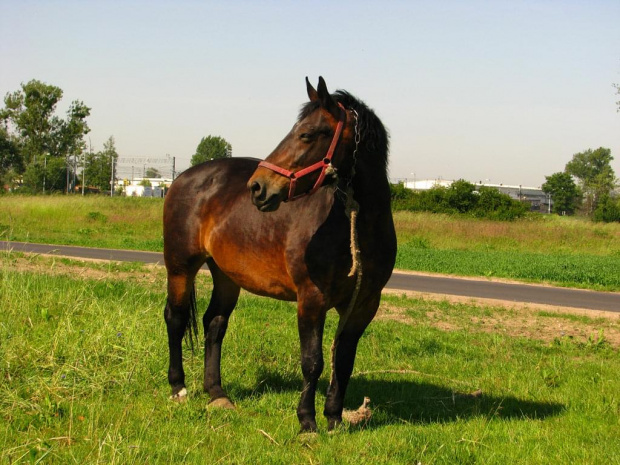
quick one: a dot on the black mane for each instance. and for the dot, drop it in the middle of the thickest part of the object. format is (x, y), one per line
(374, 143)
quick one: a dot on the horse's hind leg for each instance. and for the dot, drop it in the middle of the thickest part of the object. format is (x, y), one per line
(178, 317)
(215, 322)
(343, 359)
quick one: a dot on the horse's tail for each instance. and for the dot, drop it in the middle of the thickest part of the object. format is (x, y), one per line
(191, 332)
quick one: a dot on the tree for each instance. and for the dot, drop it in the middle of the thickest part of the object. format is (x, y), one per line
(596, 177)
(30, 110)
(11, 161)
(98, 169)
(563, 191)
(461, 196)
(45, 176)
(496, 205)
(29, 114)
(153, 173)
(210, 148)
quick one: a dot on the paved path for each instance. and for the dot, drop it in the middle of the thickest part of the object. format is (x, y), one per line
(561, 297)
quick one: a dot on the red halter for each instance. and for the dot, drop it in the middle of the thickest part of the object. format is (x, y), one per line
(321, 165)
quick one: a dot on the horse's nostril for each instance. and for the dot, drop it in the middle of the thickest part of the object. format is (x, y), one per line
(256, 189)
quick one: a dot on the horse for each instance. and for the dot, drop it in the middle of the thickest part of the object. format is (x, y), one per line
(312, 223)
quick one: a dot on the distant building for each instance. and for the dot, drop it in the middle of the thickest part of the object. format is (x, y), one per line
(538, 200)
(137, 188)
(425, 184)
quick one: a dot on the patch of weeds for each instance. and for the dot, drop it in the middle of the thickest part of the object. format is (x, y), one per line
(550, 372)
(566, 316)
(418, 242)
(45, 313)
(97, 216)
(73, 263)
(597, 342)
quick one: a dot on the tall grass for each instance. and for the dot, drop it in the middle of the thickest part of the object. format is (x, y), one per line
(83, 380)
(92, 221)
(536, 233)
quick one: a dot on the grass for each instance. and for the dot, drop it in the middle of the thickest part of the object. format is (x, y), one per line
(541, 248)
(83, 365)
(587, 271)
(542, 234)
(133, 223)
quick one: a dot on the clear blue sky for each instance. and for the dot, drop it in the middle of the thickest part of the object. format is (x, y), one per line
(505, 91)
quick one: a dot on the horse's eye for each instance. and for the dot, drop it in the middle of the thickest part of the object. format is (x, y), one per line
(306, 137)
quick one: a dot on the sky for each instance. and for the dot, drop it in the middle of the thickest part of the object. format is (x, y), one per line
(493, 91)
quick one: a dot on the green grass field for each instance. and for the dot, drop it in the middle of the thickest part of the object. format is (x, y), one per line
(133, 223)
(541, 248)
(83, 362)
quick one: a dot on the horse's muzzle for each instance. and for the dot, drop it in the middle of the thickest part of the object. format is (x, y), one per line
(262, 198)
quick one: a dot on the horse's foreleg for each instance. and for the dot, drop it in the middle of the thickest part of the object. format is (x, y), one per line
(215, 322)
(310, 326)
(344, 358)
(177, 315)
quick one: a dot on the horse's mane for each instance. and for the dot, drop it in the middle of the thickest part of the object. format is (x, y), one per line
(374, 143)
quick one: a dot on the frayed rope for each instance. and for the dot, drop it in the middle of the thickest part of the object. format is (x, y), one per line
(351, 209)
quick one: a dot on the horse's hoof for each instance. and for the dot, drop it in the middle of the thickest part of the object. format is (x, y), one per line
(180, 396)
(222, 402)
(308, 426)
(333, 423)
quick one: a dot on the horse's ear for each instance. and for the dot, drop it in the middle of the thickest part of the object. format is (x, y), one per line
(312, 94)
(326, 99)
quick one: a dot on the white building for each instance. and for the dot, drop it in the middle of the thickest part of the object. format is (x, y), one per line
(426, 184)
(139, 187)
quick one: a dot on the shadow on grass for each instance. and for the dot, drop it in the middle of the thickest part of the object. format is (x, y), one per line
(398, 401)
(395, 401)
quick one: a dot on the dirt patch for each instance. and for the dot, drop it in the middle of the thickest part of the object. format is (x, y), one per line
(85, 269)
(541, 322)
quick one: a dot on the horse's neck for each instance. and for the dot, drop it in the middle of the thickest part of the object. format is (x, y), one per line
(371, 190)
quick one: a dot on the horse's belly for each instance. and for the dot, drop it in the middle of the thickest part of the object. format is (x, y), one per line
(259, 273)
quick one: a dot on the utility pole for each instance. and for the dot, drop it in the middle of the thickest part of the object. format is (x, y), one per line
(67, 163)
(74, 183)
(44, 171)
(90, 150)
(112, 176)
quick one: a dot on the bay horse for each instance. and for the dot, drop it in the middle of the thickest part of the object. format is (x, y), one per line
(312, 223)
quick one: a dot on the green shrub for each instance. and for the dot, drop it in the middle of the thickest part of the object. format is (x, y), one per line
(607, 210)
(494, 205)
(460, 198)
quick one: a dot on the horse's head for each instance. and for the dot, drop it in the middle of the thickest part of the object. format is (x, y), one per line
(308, 156)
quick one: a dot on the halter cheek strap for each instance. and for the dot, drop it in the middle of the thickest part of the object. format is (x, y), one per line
(322, 165)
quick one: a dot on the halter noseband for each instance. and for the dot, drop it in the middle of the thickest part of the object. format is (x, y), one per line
(322, 165)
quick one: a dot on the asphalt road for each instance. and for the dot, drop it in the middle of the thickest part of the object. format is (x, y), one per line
(524, 293)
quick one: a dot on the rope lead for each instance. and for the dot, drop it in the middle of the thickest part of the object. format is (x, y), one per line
(351, 209)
